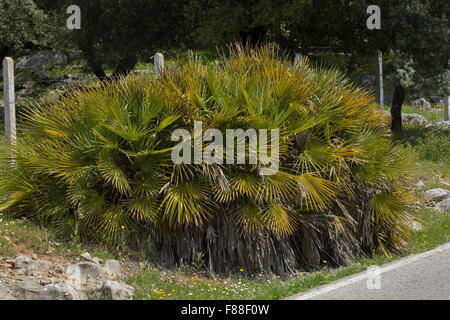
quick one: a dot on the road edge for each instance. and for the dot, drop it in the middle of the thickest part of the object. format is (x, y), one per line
(363, 275)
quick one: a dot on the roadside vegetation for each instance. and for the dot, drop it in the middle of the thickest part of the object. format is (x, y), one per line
(192, 281)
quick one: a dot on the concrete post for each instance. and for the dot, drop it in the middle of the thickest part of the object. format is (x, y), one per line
(158, 63)
(298, 57)
(380, 88)
(9, 97)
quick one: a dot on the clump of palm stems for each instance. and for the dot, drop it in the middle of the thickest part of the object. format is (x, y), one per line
(98, 163)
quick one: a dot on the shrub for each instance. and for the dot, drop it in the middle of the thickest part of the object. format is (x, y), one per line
(98, 162)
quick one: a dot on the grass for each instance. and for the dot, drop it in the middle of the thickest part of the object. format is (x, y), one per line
(432, 149)
(436, 231)
(15, 232)
(151, 283)
(434, 174)
(20, 236)
(433, 115)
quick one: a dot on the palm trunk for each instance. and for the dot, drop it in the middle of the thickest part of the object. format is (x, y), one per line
(223, 248)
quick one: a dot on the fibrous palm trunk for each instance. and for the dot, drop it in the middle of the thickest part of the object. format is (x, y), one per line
(226, 249)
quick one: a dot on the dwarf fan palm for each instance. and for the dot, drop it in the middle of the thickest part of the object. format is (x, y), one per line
(100, 159)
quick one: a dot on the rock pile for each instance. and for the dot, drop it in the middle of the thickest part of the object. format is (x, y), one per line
(26, 278)
(438, 199)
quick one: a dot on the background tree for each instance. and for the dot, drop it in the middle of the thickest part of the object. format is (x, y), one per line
(115, 34)
(22, 24)
(415, 32)
(215, 22)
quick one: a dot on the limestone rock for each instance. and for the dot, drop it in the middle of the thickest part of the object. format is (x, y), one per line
(414, 119)
(441, 126)
(117, 290)
(41, 59)
(26, 289)
(28, 266)
(112, 267)
(5, 292)
(34, 279)
(59, 292)
(420, 186)
(22, 262)
(421, 103)
(86, 256)
(85, 275)
(443, 206)
(438, 194)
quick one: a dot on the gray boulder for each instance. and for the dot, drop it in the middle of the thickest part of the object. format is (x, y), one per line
(420, 186)
(28, 266)
(5, 292)
(443, 206)
(34, 279)
(112, 267)
(438, 194)
(117, 290)
(441, 126)
(414, 119)
(415, 225)
(421, 103)
(59, 292)
(26, 289)
(22, 262)
(85, 275)
(86, 256)
(41, 59)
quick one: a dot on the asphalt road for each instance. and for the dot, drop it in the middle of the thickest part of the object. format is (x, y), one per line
(423, 276)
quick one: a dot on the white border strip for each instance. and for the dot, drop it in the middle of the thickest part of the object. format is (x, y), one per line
(363, 275)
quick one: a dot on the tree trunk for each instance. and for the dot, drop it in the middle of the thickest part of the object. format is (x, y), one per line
(254, 37)
(396, 111)
(124, 67)
(97, 69)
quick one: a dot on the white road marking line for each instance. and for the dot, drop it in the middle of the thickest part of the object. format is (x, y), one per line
(363, 275)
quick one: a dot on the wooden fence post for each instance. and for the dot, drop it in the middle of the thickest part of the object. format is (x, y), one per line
(379, 80)
(158, 63)
(9, 97)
